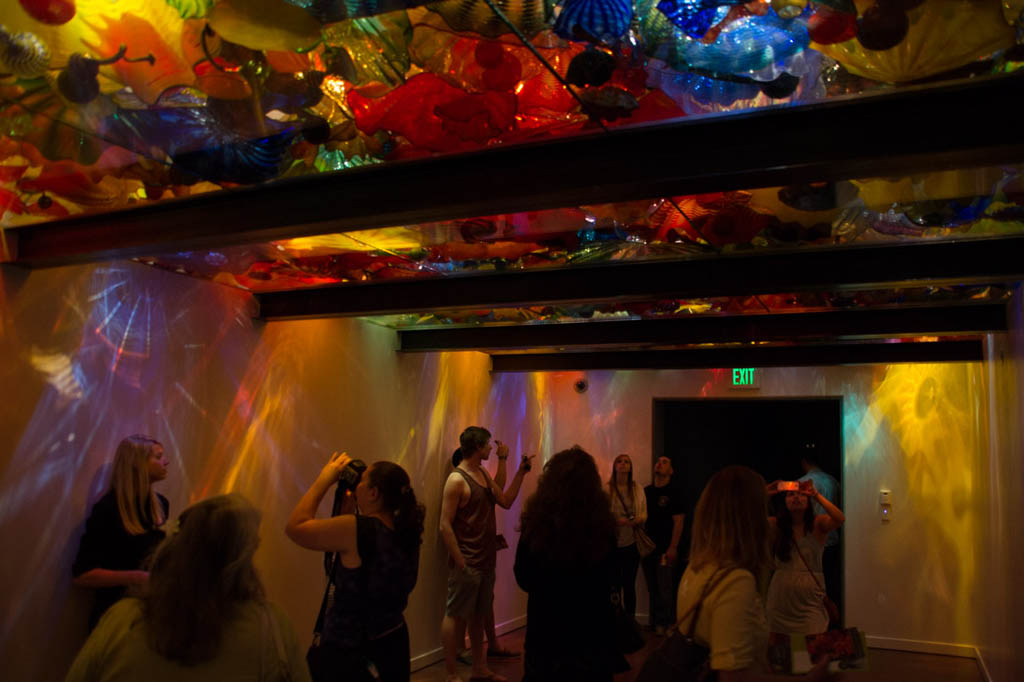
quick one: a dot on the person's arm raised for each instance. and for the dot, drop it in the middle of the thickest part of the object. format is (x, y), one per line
(336, 534)
(501, 473)
(505, 498)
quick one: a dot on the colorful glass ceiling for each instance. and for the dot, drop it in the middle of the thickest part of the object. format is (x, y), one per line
(798, 302)
(108, 104)
(940, 205)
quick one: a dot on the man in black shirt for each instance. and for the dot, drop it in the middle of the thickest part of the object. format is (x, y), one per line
(666, 514)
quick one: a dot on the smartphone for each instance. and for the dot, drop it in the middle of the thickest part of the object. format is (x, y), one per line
(787, 485)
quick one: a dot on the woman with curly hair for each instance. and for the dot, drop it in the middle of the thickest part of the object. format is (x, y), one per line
(565, 562)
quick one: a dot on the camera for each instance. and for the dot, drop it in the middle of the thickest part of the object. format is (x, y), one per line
(349, 477)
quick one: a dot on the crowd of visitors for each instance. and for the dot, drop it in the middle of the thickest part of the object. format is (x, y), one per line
(183, 601)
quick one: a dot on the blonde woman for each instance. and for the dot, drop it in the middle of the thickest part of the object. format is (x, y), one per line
(124, 526)
(729, 555)
(203, 617)
(629, 507)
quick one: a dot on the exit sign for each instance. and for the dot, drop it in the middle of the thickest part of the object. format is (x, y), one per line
(746, 377)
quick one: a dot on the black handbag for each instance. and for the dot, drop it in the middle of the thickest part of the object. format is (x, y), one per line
(681, 658)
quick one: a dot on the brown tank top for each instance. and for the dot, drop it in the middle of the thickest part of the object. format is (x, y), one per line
(474, 525)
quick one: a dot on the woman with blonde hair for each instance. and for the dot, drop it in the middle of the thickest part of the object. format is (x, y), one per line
(729, 557)
(124, 526)
(203, 616)
(629, 507)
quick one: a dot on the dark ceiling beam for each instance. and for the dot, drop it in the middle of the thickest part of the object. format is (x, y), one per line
(881, 135)
(804, 355)
(977, 261)
(946, 320)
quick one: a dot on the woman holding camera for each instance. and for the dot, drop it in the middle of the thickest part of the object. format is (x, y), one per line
(796, 595)
(377, 542)
(124, 526)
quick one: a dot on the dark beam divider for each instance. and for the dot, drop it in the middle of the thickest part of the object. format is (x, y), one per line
(977, 261)
(962, 319)
(809, 355)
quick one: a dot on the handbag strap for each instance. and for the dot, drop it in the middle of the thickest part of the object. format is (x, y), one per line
(807, 566)
(709, 586)
(330, 562)
(615, 487)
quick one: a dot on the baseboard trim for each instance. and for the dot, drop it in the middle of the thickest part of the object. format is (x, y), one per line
(981, 665)
(923, 647)
(431, 657)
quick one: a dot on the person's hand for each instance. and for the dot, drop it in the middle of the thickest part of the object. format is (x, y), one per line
(671, 554)
(460, 562)
(807, 488)
(139, 578)
(772, 488)
(525, 464)
(502, 450)
(332, 470)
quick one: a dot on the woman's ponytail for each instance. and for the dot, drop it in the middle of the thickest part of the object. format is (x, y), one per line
(399, 498)
(409, 518)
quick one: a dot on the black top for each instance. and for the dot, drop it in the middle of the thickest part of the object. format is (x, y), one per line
(662, 504)
(570, 626)
(369, 600)
(106, 544)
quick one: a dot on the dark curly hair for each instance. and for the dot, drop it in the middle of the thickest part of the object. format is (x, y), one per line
(569, 517)
(782, 543)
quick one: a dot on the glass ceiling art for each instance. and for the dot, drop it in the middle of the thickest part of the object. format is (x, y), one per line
(961, 204)
(797, 302)
(106, 104)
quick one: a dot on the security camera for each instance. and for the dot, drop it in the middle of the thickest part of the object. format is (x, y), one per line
(580, 386)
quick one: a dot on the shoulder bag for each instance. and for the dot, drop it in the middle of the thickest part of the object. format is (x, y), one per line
(644, 544)
(680, 658)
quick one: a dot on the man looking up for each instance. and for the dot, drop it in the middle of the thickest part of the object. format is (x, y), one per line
(666, 512)
(469, 533)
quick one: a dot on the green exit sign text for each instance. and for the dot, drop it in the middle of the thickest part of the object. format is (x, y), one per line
(745, 377)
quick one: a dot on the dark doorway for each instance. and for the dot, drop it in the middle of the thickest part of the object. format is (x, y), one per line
(769, 435)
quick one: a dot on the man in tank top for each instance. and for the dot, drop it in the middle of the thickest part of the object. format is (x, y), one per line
(469, 533)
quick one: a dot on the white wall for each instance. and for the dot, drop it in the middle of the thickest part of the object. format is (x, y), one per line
(91, 354)
(1001, 600)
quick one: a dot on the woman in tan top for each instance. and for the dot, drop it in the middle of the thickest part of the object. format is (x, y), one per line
(730, 544)
(629, 507)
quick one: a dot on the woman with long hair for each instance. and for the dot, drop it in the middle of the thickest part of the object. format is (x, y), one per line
(377, 540)
(797, 590)
(124, 526)
(629, 507)
(565, 562)
(203, 616)
(729, 556)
